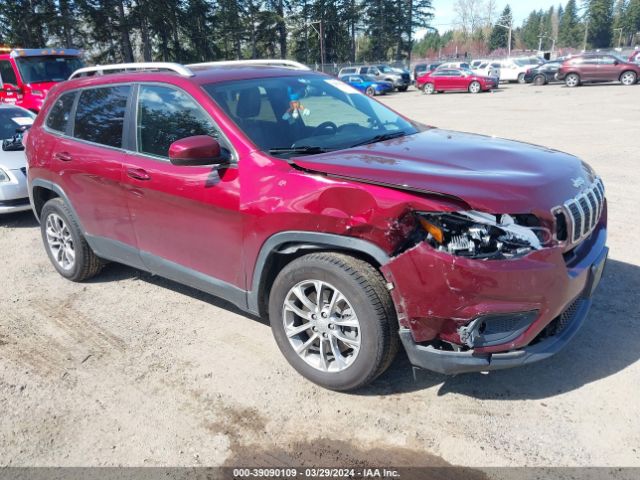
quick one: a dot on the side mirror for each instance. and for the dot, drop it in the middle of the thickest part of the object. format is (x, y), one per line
(196, 150)
(616, 62)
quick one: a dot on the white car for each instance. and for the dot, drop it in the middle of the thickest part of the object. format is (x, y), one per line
(511, 70)
(14, 195)
(450, 65)
(486, 69)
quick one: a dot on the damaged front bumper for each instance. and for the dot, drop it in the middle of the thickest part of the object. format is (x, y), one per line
(451, 362)
(540, 302)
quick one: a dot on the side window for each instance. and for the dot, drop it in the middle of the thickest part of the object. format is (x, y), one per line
(607, 60)
(364, 70)
(7, 74)
(165, 115)
(58, 118)
(100, 115)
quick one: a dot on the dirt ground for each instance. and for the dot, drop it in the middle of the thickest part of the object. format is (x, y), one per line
(130, 369)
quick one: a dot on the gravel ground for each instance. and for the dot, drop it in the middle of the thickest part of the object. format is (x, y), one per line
(130, 369)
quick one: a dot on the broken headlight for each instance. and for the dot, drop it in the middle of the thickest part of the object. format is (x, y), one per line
(480, 235)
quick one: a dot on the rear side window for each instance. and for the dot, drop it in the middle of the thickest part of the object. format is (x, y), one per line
(100, 115)
(59, 114)
(165, 115)
(7, 74)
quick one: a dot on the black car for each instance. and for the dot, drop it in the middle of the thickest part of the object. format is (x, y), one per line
(543, 74)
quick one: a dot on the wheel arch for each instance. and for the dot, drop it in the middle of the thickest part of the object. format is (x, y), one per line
(627, 71)
(284, 247)
(44, 190)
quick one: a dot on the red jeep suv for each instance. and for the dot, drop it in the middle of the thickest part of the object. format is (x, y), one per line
(294, 196)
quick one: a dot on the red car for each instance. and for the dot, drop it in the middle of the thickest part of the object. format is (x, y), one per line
(454, 80)
(27, 74)
(295, 197)
(598, 68)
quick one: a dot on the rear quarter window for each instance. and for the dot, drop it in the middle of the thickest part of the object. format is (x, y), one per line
(58, 118)
(7, 74)
(100, 115)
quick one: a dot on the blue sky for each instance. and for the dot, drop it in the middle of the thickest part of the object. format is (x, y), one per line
(444, 14)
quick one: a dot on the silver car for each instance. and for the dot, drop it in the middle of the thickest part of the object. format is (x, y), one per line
(14, 196)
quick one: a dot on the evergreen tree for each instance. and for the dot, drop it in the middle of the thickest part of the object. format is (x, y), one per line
(600, 15)
(499, 37)
(570, 30)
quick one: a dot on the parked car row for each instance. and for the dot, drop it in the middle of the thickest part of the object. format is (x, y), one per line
(398, 78)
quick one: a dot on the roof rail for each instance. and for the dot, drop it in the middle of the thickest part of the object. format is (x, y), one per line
(100, 69)
(259, 63)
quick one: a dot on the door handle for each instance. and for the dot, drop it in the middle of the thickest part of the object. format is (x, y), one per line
(62, 156)
(138, 174)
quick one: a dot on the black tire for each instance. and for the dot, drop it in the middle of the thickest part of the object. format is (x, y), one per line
(540, 80)
(521, 78)
(428, 89)
(572, 80)
(474, 87)
(365, 289)
(370, 92)
(403, 89)
(86, 264)
(629, 78)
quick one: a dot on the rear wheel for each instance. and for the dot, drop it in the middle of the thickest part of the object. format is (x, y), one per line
(333, 320)
(629, 78)
(572, 80)
(428, 89)
(370, 91)
(402, 89)
(475, 87)
(521, 78)
(66, 247)
(539, 80)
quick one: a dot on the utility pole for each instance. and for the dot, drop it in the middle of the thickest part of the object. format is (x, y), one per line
(321, 48)
(540, 37)
(510, 28)
(586, 35)
(620, 40)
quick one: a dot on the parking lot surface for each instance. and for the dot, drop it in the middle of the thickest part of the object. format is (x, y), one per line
(130, 369)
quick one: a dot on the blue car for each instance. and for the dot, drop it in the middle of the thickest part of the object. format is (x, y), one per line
(368, 85)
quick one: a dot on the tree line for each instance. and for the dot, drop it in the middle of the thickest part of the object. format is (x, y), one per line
(310, 31)
(590, 24)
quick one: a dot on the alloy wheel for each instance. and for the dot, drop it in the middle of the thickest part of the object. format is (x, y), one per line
(628, 78)
(60, 241)
(474, 87)
(321, 326)
(428, 88)
(572, 80)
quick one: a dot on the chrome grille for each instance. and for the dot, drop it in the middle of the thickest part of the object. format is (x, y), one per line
(583, 212)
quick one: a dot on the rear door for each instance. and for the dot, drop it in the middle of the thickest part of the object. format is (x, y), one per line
(186, 218)
(589, 67)
(88, 161)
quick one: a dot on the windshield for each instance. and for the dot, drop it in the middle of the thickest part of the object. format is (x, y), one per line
(384, 69)
(306, 112)
(12, 118)
(47, 68)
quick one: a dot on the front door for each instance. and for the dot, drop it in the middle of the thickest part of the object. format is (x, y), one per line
(186, 218)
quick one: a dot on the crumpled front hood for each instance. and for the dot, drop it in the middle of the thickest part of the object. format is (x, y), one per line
(489, 174)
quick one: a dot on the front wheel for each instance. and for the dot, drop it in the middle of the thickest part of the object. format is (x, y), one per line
(475, 87)
(572, 80)
(628, 78)
(370, 91)
(428, 89)
(333, 320)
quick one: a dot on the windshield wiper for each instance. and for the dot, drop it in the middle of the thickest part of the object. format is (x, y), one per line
(299, 150)
(380, 138)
